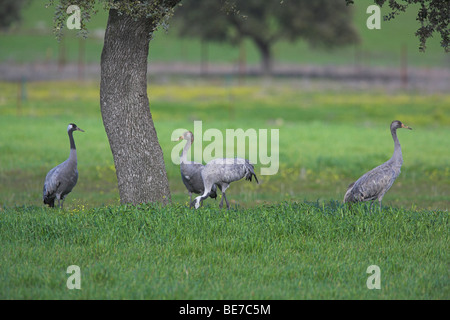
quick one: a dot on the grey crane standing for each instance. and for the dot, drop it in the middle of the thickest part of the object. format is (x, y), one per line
(375, 183)
(191, 171)
(60, 180)
(222, 172)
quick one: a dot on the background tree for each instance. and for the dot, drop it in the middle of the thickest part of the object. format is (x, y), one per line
(321, 23)
(433, 15)
(124, 104)
(10, 12)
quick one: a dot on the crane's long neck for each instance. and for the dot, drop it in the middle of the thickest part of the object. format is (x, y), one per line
(397, 156)
(183, 158)
(73, 149)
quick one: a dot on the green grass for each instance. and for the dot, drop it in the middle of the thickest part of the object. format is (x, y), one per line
(287, 238)
(285, 251)
(327, 140)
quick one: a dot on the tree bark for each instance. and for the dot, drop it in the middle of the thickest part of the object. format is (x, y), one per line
(138, 158)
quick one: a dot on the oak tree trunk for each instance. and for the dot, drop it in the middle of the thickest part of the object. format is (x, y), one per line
(138, 158)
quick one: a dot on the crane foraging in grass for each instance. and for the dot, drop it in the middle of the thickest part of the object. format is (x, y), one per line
(60, 180)
(222, 172)
(191, 171)
(375, 183)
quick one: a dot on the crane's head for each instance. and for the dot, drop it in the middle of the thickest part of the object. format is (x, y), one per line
(398, 124)
(73, 127)
(196, 202)
(186, 136)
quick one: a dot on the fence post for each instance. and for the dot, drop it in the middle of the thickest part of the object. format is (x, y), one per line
(21, 95)
(61, 54)
(81, 58)
(242, 61)
(204, 58)
(404, 66)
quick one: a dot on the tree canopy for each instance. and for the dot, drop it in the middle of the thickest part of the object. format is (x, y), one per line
(10, 11)
(321, 22)
(159, 11)
(433, 15)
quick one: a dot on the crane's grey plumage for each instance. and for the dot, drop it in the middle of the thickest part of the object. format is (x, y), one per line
(191, 171)
(222, 172)
(375, 183)
(60, 180)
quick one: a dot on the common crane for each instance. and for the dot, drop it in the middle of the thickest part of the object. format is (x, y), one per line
(375, 183)
(191, 171)
(60, 180)
(222, 172)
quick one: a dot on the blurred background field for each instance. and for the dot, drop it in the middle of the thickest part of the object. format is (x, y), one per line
(332, 107)
(327, 139)
(32, 40)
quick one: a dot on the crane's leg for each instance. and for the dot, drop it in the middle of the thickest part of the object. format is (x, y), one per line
(380, 199)
(371, 205)
(59, 201)
(221, 202)
(226, 200)
(223, 188)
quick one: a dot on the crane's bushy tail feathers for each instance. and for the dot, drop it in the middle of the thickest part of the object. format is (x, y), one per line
(250, 172)
(213, 194)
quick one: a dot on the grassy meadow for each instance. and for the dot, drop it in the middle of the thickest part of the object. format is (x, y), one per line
(289, 237)
(284, 251)
(326, 140)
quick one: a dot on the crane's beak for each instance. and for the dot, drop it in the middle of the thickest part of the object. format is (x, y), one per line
(79, 129)
(180, 138)
(406, 127)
